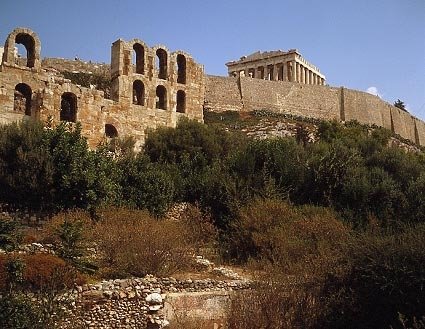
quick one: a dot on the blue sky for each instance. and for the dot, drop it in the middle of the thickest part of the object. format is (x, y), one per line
(361, 44)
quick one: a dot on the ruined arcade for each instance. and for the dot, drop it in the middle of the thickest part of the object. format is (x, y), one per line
(150, 87)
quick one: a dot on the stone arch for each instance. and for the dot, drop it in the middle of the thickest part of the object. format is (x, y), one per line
(181, 101)
(29, 40)
(68, 110)
(111, 131)
(161, 97)
(138, 93)
(139, 62)
(161, 63)
(181, 68)
(22, 98)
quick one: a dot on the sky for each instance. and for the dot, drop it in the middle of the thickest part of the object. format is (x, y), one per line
(370, 45)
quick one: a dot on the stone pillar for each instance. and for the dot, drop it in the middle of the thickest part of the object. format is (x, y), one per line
(285, 71)
(302, 74)
(275, 72)
(311, 77)
(298, 72)
(307, 76)
(294, 71)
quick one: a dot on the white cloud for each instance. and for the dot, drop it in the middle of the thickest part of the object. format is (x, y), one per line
(374, 91)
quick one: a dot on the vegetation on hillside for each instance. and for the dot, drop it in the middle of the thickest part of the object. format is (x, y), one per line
(334, 228)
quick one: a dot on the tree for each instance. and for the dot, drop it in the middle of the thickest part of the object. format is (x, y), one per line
(400, 104)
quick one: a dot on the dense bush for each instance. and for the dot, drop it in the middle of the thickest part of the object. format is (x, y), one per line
(385, 277)
(320, 274)
(133, 243)
(52, 168)
(40, 272)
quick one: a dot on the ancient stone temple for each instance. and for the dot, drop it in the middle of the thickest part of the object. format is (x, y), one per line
(277, 66)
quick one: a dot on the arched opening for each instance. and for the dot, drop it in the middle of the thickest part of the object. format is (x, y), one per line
(161, 98)
(161, 63)
(139, 60)
(181, 68)
(28, 42)
(22, 98)
(68, 107)
(138, 93)
(181, 101)
(111, 131)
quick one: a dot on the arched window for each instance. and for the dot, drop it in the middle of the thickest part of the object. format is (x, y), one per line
(22, 98)
(28, 42)
(139, 52)
(161, 98)
(138, 93)
(111, 131)
(181, 101)
(68, 107)
(161, 63)
(181, 68)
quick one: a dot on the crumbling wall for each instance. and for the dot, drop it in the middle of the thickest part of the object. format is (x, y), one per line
(129, 303)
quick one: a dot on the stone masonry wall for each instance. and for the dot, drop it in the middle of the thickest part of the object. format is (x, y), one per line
(293, 98)
(127, 303)
(222, 94)
(122, 115)
(321, 102)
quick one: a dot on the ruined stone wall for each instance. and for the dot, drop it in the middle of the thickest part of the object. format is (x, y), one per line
(127, 303)
(61, 64)
(320, 102)
(126, 117)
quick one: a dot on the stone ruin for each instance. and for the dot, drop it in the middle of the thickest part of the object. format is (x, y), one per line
(150, 87)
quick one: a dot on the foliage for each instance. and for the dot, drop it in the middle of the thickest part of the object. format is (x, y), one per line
(9, 234)
(52, 168)
(400, 104)
(145, 185)
(133, 243)
(31, 290)
(26, 170)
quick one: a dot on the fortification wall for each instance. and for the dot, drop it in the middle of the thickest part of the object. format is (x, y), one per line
(293, 98)
(222, 94)
(321, 102)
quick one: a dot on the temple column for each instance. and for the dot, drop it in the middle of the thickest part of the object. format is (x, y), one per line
(285, 71)
(298, 72)
(275, 72)
(294, 71)
(302, 80)
(307, 76)
(311, 77)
